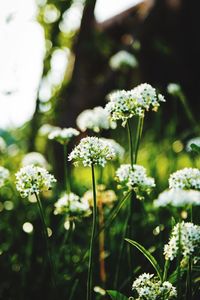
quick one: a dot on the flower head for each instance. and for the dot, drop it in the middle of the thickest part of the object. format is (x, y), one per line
(94, 119)
(92, 151)
(36, 159)
(185, 179)
(123, 105)
(178, 198)
(119, 150)
(135, 179)
(105, 197)
(148, 287)
(63, 136)
(174, 89)
(32, 179)
(46, 129)
(187, 236)
(4, 174)
(72, 207)
(123, 59)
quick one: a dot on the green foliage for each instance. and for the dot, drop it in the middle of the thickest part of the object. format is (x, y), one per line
(148, 255)
(116, 295)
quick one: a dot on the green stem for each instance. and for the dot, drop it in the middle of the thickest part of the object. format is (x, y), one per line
(138, 137)
(133, 160)
(66, 173)
(191, 213)
(189, 269)
(121, 249)
(114, 213)
(100, 179)
(91, 252)
(189, 280)
(45, 234)
(130, 140)
(166, 268)
(73, 289)
(188, 110)
(179, 263)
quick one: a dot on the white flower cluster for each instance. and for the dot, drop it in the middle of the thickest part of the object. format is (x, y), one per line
(94, 119)
(186, 179)
(123, 59)
(187, 235)
(92, 151)
(149, 287)
(64, 135)
(72, 206)
(46, 129)
(194, 141)
(36, 159)
(32, 179)
(174, 89)
(4, 174)
(177, 198)
(119, 150)
(123, 105)
(135, 179)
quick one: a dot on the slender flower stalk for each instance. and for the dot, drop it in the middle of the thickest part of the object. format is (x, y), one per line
(176, 90)
(138, 137)
(66, 172)
(191, 213)
(74, 286)
(104, 198)
(45, 234)
(188, 111)
(63, 136)
(124, 105)
(121, 248)
(179, 262)
(101, 243)
(189, 281)
(102, 271)
(133, 160)
(92, 151)
(31, 180)
(189, 269)
(133, 151)
(166, 268)
(94, 224)
(135, 181)
(130, 140)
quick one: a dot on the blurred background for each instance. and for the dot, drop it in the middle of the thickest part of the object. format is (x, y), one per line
(56, 59)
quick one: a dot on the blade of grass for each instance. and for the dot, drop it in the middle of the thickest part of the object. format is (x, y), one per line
(116, 295)
(148, 255)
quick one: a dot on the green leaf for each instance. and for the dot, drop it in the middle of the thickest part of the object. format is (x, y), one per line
(114, 213)
(116, 295)
(173, 277)
(148, 255)
(173, 222)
